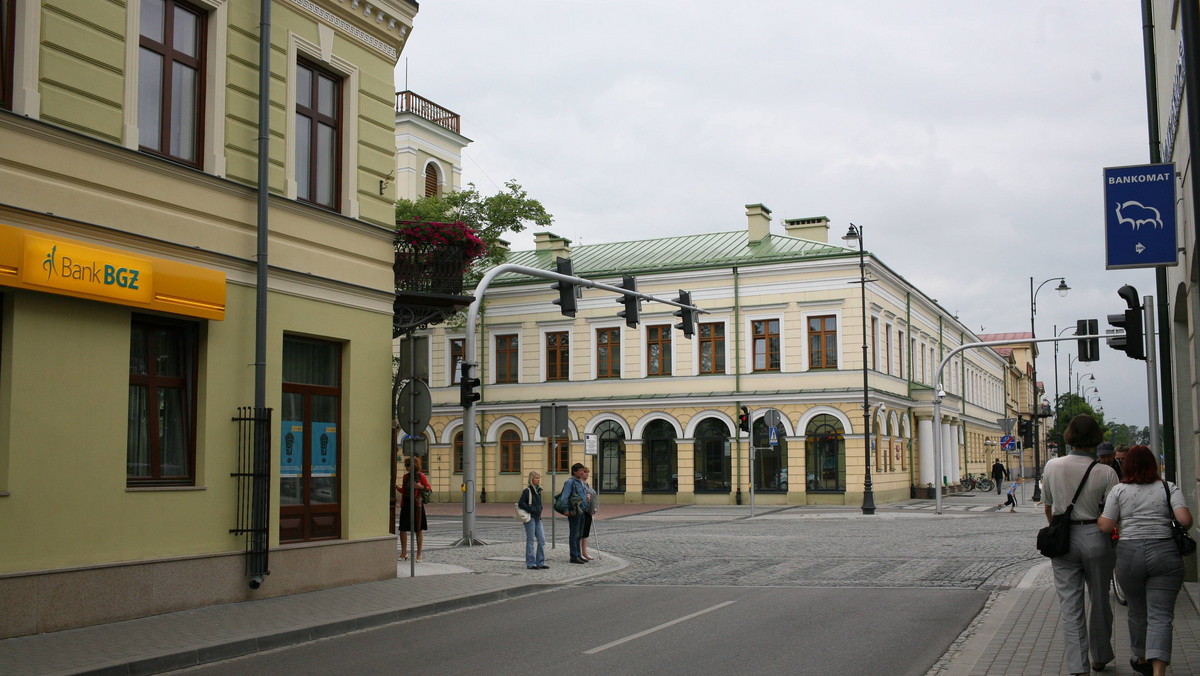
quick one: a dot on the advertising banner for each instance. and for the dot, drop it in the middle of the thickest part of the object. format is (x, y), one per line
(1139, 223)
(291, 453)
(324, 449)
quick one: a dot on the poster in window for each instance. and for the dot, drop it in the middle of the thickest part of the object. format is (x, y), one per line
(291, 453)
(324, 449)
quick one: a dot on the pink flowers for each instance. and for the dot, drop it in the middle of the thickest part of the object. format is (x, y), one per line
(421, 234)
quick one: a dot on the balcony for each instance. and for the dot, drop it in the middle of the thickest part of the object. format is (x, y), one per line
(408, 102)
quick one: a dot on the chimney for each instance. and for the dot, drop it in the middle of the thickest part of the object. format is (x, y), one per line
(552, 243)
(815, 229)
(502, 245)
(758, 221)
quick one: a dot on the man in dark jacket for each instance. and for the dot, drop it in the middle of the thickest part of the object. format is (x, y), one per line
(999, 474)
(572, 500)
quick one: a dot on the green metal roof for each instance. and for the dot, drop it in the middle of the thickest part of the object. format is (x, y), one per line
(687, 252)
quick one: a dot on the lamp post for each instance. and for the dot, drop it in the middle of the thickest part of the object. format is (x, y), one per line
(1079, 380)
(1057, 403)
(1062, 290)
(855, 233)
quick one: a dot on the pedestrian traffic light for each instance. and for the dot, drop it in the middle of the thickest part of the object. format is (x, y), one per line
(567, 291)
(632, 303)
(1131, 341)
(1089, 348)
(685, 314)
(744, 419)
(466, 385)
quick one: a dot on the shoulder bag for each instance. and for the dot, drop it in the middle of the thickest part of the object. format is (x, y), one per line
(1055, 539)
(522, 515)
(1179, 534)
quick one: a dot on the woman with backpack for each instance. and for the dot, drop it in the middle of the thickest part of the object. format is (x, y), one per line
(406, 508)
(535, 536)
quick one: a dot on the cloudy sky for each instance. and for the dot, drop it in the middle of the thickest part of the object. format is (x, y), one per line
(968, 139)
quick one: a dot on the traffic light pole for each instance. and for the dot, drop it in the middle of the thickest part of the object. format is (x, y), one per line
(471, 351)
(1151, 380)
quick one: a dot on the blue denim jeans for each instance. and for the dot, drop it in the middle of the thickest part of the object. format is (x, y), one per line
(1151, 573)
(575, 524)
(535, 537)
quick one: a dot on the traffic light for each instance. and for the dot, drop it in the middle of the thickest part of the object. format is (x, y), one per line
(1089, 348)
(744, 419)
(566, 290)
(466, 386)
(1131, 342)
(686, 315)
(1025, 429)
(632, 303)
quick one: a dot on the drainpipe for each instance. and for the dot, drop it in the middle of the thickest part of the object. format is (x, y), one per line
(737, 378)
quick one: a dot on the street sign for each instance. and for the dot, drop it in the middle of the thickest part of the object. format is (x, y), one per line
(1139, 216)
(773, 436)
(771, 418)
(1007, 442)
(1006, 424)
(554, 422)
(414, 407)
(591, 444)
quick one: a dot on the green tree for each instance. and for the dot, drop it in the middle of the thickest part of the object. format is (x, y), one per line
(509, 211)
(1069, 406)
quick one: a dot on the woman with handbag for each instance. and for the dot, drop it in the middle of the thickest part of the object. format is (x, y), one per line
(423, 491)
(1149, 562)
(1087, 566)
(535, 536)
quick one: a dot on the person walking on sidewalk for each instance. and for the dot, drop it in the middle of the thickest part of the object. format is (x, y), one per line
(535, 536)
(589, 512)
(999, 474)
(1149, 566)
(1087, 568)
(572, 501)
(408, 503)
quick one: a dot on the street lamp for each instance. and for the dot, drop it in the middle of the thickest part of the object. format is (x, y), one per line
(1079, 380)
(855, 233)
(1057, 395)
(1062, 290)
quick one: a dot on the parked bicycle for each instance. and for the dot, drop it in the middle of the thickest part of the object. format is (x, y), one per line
(981, 482)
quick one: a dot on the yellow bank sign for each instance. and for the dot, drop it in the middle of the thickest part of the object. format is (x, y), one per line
(52, 264)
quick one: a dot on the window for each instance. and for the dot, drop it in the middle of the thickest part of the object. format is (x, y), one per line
(712, 458)
(458, 453)
(887, 349)
(8, 17)
(310, 445)
(900, 345)
(612, 457)
(712, 347)
(162, 403)
(874, 344)
(923, 363)
(560, 455)
(510, 451)
(658, 350)
(770, 460)
(659, 461)
(171, 79)
(766, 344)
(506, 359)
(456, 359)
(431, 180)
(826, 451)
(608, 353)
(558, 356)
(318, 135)
(822, 342)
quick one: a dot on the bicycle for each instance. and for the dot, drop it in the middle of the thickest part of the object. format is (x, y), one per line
(982, 483)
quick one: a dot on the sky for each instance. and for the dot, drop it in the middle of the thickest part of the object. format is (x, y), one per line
(967, 139)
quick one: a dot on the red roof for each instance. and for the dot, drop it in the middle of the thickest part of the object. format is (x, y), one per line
(1014, 336)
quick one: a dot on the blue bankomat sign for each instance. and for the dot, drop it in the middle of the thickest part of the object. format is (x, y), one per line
(1139, 216)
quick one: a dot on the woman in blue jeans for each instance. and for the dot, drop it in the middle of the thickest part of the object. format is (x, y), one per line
(531, 501)
(1149, 566)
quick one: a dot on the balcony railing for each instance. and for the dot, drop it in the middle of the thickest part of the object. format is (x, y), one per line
(408, 102)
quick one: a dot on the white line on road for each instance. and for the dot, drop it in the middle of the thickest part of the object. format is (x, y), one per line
(651, 630)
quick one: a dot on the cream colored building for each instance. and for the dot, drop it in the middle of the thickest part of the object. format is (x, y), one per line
(128, 251)
(783, 330)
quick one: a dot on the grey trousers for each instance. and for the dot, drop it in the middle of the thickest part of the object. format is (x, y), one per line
(1151, 573)
(1088, 567)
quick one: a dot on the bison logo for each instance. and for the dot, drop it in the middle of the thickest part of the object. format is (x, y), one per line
(1136, 215)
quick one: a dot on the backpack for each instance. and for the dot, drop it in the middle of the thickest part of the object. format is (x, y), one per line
(559, 505)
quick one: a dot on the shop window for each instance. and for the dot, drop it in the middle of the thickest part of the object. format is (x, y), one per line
(558, 355)
(318, 135)
(510, 451)
(770, 460)
(8, 17)
(822, 342)
(712, 457)
(162, 403)
(171, 64)
(826, 454)
(659, 461)
(712, 347)
(310, 441)
(612, 457)
(766, 344)
(658, 350)
(506, 359)
(608, 353)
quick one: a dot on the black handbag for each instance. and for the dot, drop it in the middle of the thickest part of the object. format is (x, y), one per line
(1179, 534)
(1055, 539)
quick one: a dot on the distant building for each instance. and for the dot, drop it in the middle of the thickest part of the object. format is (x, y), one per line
(783, 330)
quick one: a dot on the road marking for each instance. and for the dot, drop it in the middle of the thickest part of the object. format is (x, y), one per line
(651, 630)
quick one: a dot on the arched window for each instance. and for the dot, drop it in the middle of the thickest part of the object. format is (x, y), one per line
(510, 451)
(770, 461)
(612, 457)
(458, 452)
(826, 454)
(659, 463)
(431, 180)
(712, 456)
